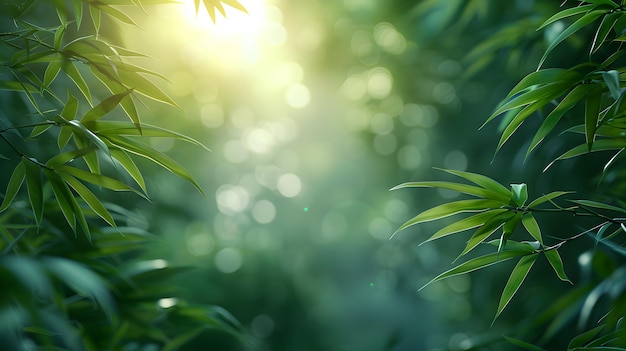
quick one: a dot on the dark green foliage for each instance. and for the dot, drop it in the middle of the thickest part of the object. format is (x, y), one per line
(71, 276)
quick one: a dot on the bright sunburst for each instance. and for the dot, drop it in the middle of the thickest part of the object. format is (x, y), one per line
(236, 23)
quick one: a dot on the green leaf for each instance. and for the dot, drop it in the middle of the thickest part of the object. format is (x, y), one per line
(523, 344)
(78, 12)
(83, 281)
(557, 264)
(113, 12)
(585, 337)
(607, 24)
(583, 21)
(38, 130)
(598, 145)
(182, 339)
(544, 77)
(516, 279)
(484, 182)
(89, 198)
(94, 12)
(611, 79)
(65, 134)
(64, 197)
(110, 81)
(464, 224)
(449, 209)
(70, 108)
(462, 188)
(477, 263)
(592, 113)
(491, 225)
(532, 227)
(72, 72)
(568, 102)
(52, 71)
(567, 13)
(545, 198)
(97, 179)
(520, 193)
(150, 153)
(97, 142)
(34, 185)
(129, 165)
(68, 156)
(14, 185)
(104, 107)
(599, 205)
(518, 119)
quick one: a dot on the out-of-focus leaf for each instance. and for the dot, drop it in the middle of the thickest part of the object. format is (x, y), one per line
(449, 209)
(113, 12)
(599, 205)
(568, 102)
(478, 263)
(523, 344)
(17, 86)
(97, 179)
(78, 12)
(583, 21)
(34, 185)
(598, 145)
(14, 185)
(592, 113)
(572, 11)
(611, 79)
(519, 193)
(129, 165)
(94, 12)
(464, 224)
(83, 281)
(491, 225)
(29, 272)
(584, 338)
(531, 225)
(104, 107)
(545, 198)
(557, 264)
(516, 279)
(152, 154)
(182, 339)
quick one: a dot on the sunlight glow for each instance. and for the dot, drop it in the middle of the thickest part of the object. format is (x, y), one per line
(236, 23)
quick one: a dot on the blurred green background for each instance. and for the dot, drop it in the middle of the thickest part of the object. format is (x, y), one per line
(313, 110)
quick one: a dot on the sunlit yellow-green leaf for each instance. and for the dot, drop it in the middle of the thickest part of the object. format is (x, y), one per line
(464, 224)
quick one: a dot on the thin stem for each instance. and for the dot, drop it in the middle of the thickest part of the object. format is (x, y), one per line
(28, 126)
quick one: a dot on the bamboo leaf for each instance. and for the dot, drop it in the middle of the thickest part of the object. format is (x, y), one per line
(543, 77)
(14, 185)
(80, 128)
(64, 197)
(518, 119)
(598, 145)
(516, 279)
(73, 73)
(592, 113)
(612, 81)
(78, 12)
(462, 188)
(97, 179)
(477, 263)
(52, 71)
(89, 198)
(34, 185)
(585, 337)
(449, 209)
(70, 108)
(599, 205)
(583, 21)
(68, 156)
(523, 344)
(519, 193)
(129, 165)
(104, 107)
(484, 182)
(491, 225)
(464, 224)
(113, 12)
(607, 24)
(557, 264)
(567, 13)
(568, 102)
(152, 154)
(147, 130)
(532, 227)
(544, 198)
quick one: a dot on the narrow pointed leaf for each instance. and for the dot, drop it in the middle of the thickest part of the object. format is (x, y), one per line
(38, 130)
(52, 71)
(449, 209)
(152, 154)
(68, 156)
(97, 179)
(477, 263)
(129, 165)
(89, 198)
(126, 129)
(462, 188)
(545, 198)
(35, 188)
(568, 102)
(70, 108)
(516, 279)
(599, 205)
(567, 13)
(14, 185)
(543, 77)
(573, 28)
(585, 337)
(519, 193)
(464, 224)
(592, 113)
(97, 142)
(611, 79)
(64, 197)
(532, 227)
(72, 72)
(65, 134)
(607, 24)
(78, 12)
(104, 107)
(523, 344)
(491, 226)
(598, 145)
(484, 182)
(517, 121)
(557, 264)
